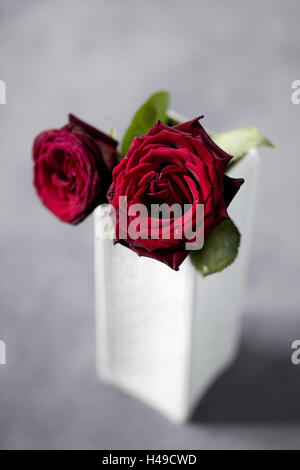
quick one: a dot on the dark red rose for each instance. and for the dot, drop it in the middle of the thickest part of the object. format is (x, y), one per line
(73, 169)
(179, 164)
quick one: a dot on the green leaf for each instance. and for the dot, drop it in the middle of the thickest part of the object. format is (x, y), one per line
(152, 110)
(113, 133)
(219, 250)
(240, 141)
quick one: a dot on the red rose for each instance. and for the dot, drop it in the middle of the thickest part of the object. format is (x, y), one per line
(169, 165)
(73, 169)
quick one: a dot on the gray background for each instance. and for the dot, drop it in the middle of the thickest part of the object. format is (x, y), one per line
(233, 61)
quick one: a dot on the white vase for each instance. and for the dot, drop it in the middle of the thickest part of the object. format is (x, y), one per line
(164, 336)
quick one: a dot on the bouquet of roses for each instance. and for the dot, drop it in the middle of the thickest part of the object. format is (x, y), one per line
(163, 162)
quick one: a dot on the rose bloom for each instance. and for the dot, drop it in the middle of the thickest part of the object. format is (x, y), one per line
(179, 164)
(73, 169)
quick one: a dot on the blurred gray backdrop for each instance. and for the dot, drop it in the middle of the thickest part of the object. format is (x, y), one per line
(234, 62)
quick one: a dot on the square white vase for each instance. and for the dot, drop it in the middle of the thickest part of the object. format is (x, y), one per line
(162, 335)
